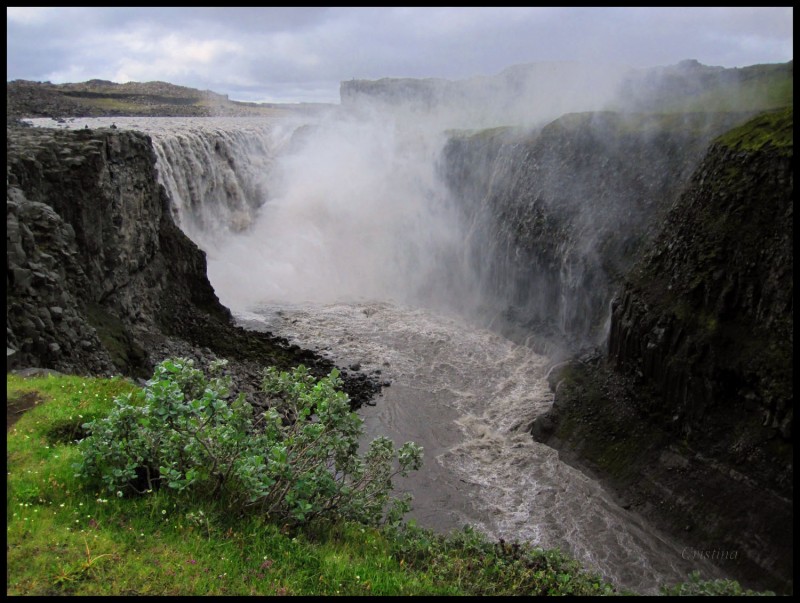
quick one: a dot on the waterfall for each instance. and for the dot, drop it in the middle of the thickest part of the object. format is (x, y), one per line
(527, 231)
(217, 171)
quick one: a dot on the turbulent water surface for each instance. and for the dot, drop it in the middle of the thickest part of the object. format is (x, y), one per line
(358, 213)
(467, 396)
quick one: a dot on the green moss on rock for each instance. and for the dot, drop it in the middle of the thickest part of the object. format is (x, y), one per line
(775, 129)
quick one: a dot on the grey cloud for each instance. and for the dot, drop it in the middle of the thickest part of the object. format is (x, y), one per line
(308, 50)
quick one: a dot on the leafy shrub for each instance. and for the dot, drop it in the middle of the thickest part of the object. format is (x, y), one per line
(481, 567)
(296, 461)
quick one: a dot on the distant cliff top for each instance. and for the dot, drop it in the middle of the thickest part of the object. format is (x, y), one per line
(101, 98)
(569, 86)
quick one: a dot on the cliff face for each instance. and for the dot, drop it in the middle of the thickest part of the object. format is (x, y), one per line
(707, 317)
(557, 216)
(691, 415)
(101, 280)
(94, 199)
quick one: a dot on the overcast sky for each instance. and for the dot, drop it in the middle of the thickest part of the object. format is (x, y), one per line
(301, 54)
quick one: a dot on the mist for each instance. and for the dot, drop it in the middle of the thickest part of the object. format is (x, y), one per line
(356, 211)
(516, 201)
(358, 207)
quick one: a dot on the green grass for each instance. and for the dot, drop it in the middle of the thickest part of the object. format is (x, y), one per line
(770, 92)
(755, 88)
(775, 129)
(66, 540)
(145, 104)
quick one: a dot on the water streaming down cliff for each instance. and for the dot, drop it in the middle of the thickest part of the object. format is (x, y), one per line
(523, 230)
(557, 215)
(358, 212)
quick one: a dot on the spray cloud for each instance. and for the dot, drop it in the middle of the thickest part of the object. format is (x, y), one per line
(376, 201)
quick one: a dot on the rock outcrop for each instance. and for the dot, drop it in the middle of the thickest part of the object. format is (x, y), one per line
(100, 280)
(690, 415)
(84, 209)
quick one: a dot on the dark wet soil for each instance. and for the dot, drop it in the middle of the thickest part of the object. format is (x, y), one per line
(18, 403)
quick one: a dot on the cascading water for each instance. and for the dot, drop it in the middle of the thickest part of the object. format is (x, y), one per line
(368, 221)
(217, 171)
(353, 246)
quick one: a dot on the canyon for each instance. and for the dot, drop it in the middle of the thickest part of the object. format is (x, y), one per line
(646, 254)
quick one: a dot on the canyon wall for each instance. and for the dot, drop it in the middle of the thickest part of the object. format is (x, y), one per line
(598, 229)
(689, 415)
(557, 215)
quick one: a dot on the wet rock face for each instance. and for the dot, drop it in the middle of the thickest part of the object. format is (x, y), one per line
(100, 280)
(614, 427)
(707, 318)
(45, 325)
(93, 197)
(102, 185)
(558, 216)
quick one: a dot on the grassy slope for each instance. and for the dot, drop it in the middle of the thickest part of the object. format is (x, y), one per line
(761, 87)
(775, 129)
(63, 539)
(98, 98)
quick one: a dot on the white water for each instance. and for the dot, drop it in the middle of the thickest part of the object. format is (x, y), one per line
(356, 221)
(218, 171)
